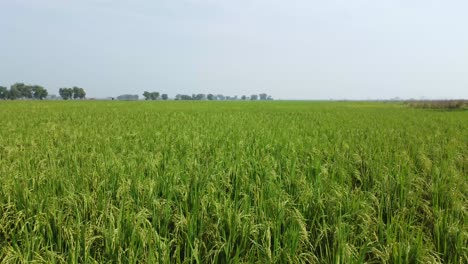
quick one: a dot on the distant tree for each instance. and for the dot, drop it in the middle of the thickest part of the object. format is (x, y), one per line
(220, 97)
(243, 97)
(270, 98)
(66, 93)
(39, 92)
(200, 97)
(82, 94)
(151, 95)
(164, 97)
(210, 97)
(3, 93)
(254, 97)
(154, 95)
(185, 97)
(20, 90)
(128, 97)
(15, 91)
(177, 97)
(62, 93)
(78, 93)
(25, 91)
(263, 96)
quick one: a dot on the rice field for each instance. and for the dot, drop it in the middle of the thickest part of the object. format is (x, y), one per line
(232, 182)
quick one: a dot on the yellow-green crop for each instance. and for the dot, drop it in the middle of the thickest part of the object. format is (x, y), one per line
(237, 182)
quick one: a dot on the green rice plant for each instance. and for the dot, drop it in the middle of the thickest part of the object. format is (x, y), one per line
(232, 182)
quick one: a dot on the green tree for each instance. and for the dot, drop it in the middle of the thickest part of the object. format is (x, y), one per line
(185, 97)
(154, 95)
(127, 97)
(15, 91)
(263, 96)
(66, 93)
(164, 96)
(82, 93)
(76, 92)
(72, 93)
(20, 90)
(254, 97)
(210, 97)
(151, 95)
(3, 93)
(200, 97)
(147, 95)
(39, 92)
(26, 91)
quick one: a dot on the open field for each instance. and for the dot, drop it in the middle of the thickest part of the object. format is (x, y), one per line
(148, 182)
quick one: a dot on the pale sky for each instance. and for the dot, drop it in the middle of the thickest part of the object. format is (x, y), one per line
(291, 49)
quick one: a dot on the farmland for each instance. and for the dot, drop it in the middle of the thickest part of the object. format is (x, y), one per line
(240, 182)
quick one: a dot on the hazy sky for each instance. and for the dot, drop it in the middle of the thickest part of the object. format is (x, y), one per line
(290, 49)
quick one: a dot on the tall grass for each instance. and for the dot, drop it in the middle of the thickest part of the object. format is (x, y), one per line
(237, 182)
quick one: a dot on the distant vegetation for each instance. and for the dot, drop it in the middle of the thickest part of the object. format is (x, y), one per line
(23, 91)
(221, 97)
(72, 93)
(26, 91)
(128, 97)
(151, 96)
(210, 97)
(438, 104)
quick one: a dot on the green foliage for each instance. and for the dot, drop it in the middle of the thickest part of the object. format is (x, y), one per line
(183, 97)
(23, 91)
(78, 93)
(20, 90)
(151, 95)
(238, 182)
(72, 93)
(3, 92)
(14, 93)
(199, 96)
(66, 93)
(39, 92)
(127, 97)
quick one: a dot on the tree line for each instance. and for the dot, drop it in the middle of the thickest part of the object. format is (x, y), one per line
(72, 93)
(26, 91)
(154, 96)
(211, 97)
(23, 91)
